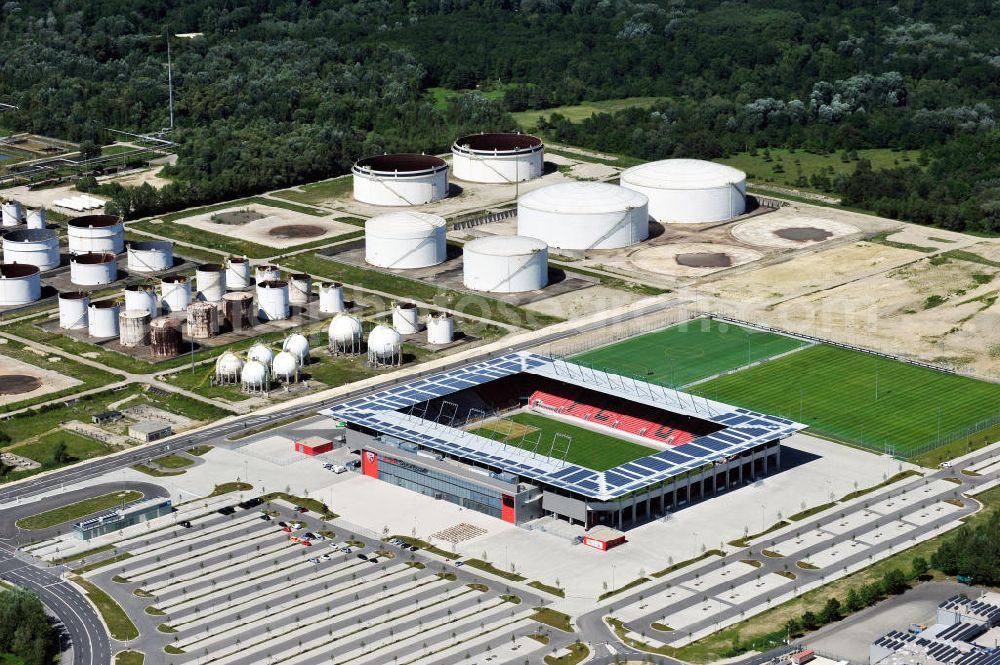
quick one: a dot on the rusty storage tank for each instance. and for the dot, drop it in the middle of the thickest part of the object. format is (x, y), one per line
(203, 320)
(299, 288)
(165, 338)
(238, 310)
(133, 327)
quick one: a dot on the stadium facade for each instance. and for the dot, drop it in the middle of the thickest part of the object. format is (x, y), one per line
(427, 435)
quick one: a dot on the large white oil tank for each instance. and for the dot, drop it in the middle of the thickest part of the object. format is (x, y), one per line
(385, 346)
(102, 318)
(406, 318)
(238, 273)
(272, 300)
(12, 213)
(331, 298)
(440, 328)
(150, 255)
(93, 268)
(266, 274)
(19, 284)
(285, 367)
(400, 180)
(345, 334)
(73, 310)
(404, 240)
(96, 233)
(255, 377)
(497, 158)
(228, 368)
(36, 218)
(299, 288)
(133, 327)
(142, 297)
(211, 281)
(584, 215)
(37, 247)
(261, 353)
(505, 264)
(297, 345)
(689, 191)
(175, 293)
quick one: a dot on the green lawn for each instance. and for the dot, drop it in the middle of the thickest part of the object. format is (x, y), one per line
(442, 95)
(860, 398)
(173, 461)
(77, 447)
(75, 511)
(319, 192)
(115, 618)
(588, 448)
(687, 352)
(528, 120)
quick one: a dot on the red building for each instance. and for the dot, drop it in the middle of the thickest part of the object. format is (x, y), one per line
(313, 446)
(603, 538)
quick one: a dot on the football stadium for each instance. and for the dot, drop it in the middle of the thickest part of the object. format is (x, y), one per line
(523, 436)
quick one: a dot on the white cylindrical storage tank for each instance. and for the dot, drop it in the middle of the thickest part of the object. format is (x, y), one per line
(150, 255)
(385, 346)
(440, 328)
(505, 264)
(497, 158)
(345, 334)
(102, 318)
(19, 284)
(12, 213)
(238, 273)
(400, 180)
(689, 191)
(300, 288)
(142, 297)
(211, 281)
(406, 318)
(261, 353)
(584, 215)
(403, 240)
(266, 274)
(36, 218)
(96, 233)
(175, 293)
(36, 247)
(331, 298)
(228, 368)
(93, 269)
(255, 377)
(297, 345)
(285, 367)
(133, 327)
(272, 300)
(73, 310)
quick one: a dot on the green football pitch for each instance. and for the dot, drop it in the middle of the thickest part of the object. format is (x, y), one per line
(861, 398)
(587, 448)
(688, 351)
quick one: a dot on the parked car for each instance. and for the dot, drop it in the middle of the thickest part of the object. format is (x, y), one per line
(310, 535)
(185, 524)
(326, 557)
(226, 510)
(306, 543)
(297, 525)
(348, 550)
(338, 468)
(282, 523)
(251, 503)
(459, 564)
(266, 518)
(373, 560)
(412, 548)
(286, 529)
(295, 539)
(301, 509)
(314, 560)
(363, 557)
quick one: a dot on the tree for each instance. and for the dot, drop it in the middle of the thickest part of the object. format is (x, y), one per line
(894, 582)
(809, 620)
(831, 611)
(60, 454)
(919, 567)
(853, 602)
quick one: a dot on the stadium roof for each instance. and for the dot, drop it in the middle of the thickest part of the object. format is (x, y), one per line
(742, 429)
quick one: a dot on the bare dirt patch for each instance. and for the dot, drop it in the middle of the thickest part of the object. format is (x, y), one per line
(27, 381)
(791, 228)
(704, 260)
(15, 384)
(804, 234)
(293, 231)
(690, 259)
(237, 217)
(259, 230)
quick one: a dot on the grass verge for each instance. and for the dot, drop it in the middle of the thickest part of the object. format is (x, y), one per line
(77, 510)
(114, 617)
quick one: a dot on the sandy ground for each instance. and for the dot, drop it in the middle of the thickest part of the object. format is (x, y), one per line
(258, 230)
(761, 231)
(52, 381)
(662, 259)
(43, 198)
(581, 303)
(144, 176)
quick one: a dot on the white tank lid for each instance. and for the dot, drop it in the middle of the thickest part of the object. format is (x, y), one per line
(682, 174)
(404, 224)
(505, 246)
(135, 314)
(581, 198)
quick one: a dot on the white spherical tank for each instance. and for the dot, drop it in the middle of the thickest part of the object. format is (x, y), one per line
(689, 191)
(505, 264)
(299, 289)
(142, 297)
(400, 180)
(36, 218)
(73, 310)
(331, 298)
(150, 255)
(272, 300)
(403, 240)
(384, 346)
(102, 318)
(175, 293)
(93, 269)
(96, 233)
(228, 368)
(584, 215)
(406, 318)
(285, 367)
(266, 274)
(297, 345)
(261, 353)
(133, 327)
(36, 247)
(12, 213)
(211, 281)
(440, 328)
(238, 273)
(255, 377)
(497, 158)
(19, 284)
(345, 334)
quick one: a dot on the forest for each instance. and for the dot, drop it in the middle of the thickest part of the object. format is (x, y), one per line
(25, 630)
(271, 93)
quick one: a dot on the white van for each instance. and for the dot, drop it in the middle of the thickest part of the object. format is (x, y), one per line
(338, 468)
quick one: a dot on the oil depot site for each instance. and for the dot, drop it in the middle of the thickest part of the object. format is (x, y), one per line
(569, 405)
